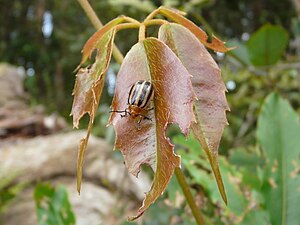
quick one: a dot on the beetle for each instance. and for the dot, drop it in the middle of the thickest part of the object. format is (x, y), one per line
(140, 96)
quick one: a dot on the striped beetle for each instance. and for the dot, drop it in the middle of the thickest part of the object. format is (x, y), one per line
(140, 95)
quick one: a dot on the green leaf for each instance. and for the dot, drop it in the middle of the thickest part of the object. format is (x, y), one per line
(278, 133)
(266, 46)
(53, 206)
(9, 189)
(240, 52)
(239, 202)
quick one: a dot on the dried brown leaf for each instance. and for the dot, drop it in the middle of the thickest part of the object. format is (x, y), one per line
(88, 89)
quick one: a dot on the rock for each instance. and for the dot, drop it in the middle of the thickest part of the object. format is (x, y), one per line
(11, 83)
(17, 118)
(106, 186)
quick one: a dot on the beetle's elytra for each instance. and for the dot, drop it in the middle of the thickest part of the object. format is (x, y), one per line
(139, 98)
(140, 94)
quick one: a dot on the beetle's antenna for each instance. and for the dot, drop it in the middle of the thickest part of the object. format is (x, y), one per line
(117, 111)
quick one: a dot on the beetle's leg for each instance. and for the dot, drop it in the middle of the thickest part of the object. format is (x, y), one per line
(150, 109)
(117, 111)
(139, 122)
(147, 118)
(126, 113)
(144, 117)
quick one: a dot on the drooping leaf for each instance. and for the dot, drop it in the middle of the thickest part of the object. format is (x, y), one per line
(266, 46)
(211, 105)
(53, 206)
(96, 38)
(278, 134)
(87, 91)
(215, 44)
(152, 60)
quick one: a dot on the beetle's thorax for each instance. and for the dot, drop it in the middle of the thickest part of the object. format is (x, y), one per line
(136, 111)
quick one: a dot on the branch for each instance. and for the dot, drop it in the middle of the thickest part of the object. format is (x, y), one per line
(97, 24)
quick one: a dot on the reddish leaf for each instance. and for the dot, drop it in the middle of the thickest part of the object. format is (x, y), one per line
(95, 39)
(210, 108)
(152, 60)
(216, 44)
(87, 91)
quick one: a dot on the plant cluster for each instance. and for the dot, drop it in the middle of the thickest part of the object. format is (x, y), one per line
(188, 91)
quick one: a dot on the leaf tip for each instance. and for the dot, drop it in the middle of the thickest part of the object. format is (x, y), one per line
(132, 218)
(75, 124)
(78, 185)
(224, 197)
(77, 68)
(231, 48)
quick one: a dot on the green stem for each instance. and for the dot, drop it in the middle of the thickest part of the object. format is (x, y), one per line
(127, 26)
(188, 196)
(130, 20)
(97, 24)
(142, 32)
(151, 15)
(155, 22)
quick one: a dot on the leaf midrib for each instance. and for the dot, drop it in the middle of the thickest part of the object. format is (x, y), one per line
(283, 171)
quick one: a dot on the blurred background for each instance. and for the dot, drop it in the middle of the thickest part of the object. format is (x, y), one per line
(40, 46)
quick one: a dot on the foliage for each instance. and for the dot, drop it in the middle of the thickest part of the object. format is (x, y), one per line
(53, 206)
(154, 59)
(253, 178)
(9, 191)
(252, 83)
(267, 45)
(261, 186)
(278, 133)
(264, 48)
(54, 58)
(164, 213)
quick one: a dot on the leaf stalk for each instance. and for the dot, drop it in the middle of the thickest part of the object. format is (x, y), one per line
(142, 32)
(155, 22)
(127, 26)
(152, 15)
(188, 196)
(129, 19)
